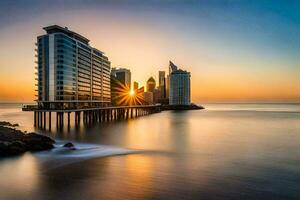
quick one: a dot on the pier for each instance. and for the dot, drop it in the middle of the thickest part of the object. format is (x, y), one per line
(43, 117)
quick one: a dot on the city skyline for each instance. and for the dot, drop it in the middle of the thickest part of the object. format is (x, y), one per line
(251, 58)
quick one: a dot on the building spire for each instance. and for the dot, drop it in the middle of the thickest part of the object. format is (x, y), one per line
(172, 67)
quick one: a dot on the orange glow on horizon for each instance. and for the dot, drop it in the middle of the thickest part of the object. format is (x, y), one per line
(213, 79)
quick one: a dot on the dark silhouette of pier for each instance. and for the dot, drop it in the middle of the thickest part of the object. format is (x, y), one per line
(43, 118)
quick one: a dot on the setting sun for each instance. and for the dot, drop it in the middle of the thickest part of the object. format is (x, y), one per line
(131, 93)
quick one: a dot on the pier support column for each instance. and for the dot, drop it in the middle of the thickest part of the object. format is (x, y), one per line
(44, 125)
(84, 117)
(68, 119)
(62, 119)
(100, 115)
(34, 122)
(76, 119)
(56, 120)
(40, 119)
(50, 121)
(107, 115)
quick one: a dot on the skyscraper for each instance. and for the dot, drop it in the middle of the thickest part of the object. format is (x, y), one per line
(120, 85)
(148, 98)
(71, 73)
(135, 86)
(162, 84)
(151, 84)
(180, 88)
(123, 75)
(172, 67)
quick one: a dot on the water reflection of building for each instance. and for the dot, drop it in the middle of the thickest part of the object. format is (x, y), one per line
(71, 73)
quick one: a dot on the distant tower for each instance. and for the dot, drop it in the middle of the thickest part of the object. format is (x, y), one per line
(180, 89)
(162, 84)
(148, 98)
(120, 84)
(172, 67)
(151, 84)
(135, 86)
(123, 75)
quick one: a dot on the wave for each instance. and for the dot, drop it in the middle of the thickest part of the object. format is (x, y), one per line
(60, 156)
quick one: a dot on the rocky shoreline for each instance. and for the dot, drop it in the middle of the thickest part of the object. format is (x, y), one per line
(15, 142)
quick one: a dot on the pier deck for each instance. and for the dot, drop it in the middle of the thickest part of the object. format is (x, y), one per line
(89, 115)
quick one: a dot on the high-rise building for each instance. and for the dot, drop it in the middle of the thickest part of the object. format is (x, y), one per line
(180, 88)
(148, 98)
(123, 75)
(71, 73)
(156, 95)
(162, 84)
(172, 67)
(161, 78)
(120, 85)
(141, 89)
(135, 86)
(168, 86)
(151, 84)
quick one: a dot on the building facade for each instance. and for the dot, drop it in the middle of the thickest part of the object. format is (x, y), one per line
(148, 98)
(151, 84)
(135, 86)
(180, 89)
(162, 84)
(123, 75)
(71, 73)
(172, 67)
(120, 85)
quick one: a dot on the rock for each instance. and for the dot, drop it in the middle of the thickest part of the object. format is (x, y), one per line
(13, 142)
(69, 144)
(4, 123)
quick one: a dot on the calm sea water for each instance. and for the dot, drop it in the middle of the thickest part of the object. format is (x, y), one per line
(228, 151)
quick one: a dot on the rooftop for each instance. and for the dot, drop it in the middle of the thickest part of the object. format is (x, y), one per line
(65, 30)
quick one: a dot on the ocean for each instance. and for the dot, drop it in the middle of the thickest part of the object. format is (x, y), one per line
(227, 151)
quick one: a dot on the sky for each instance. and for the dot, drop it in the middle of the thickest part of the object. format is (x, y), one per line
(236, 51)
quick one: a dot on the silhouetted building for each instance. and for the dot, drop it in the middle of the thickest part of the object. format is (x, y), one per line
(162, 84)
(135, 86)
(172, 67)
(141, 89)
(123, 75)
(151, 84)
(168, 86)
(156, 95)
(148, 98)
(71, 73)
(180, 90)
(120, 85)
